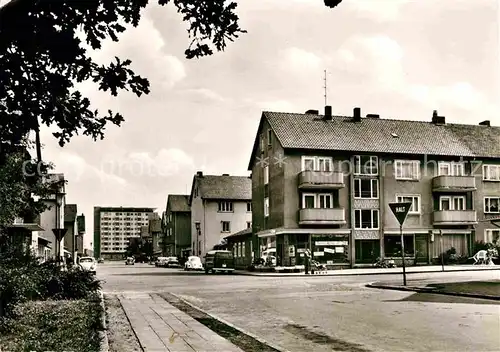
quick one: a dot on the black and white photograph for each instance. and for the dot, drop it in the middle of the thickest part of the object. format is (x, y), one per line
(249, 175)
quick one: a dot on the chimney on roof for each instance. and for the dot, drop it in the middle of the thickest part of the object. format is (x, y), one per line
(199, 174)
(328, 112)
(373, 116)
(225, 174)
(485, 123)
(357, 115)
(436, 119)
(312, 112)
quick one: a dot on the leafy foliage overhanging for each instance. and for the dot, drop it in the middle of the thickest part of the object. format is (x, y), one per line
(42, 57)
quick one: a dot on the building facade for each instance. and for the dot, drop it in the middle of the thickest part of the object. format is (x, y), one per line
(114, 226)
(71, 235)
(177, 226)
(323, 183)
(52, 219)
(220, 206)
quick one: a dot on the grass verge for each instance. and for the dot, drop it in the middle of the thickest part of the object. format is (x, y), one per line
(62, 325)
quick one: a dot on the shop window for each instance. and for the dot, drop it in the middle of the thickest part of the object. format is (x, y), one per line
(392, 246)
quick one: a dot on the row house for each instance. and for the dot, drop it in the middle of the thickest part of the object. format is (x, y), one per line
(220, 206)
(177, 226)
(323, 183)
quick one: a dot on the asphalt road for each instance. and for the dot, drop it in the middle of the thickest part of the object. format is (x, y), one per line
(325, 313)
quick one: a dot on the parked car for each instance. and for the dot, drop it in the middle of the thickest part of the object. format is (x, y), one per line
(269, 256)
(100, 260)
(193, 263)
(219, 261)
(130, 261)
(173, 262)
(88, 264)
(161, 262)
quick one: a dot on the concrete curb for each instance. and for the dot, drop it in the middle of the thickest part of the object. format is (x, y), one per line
(433, 290)
(104, 344)
(248, 273)
(261, 340)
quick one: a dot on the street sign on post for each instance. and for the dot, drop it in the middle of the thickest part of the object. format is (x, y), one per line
(400, 211)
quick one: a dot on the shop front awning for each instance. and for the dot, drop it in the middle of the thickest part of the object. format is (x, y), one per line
(300, 231)
(28, 227)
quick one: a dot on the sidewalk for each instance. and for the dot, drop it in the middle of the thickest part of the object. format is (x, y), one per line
(379, 271)
(161, 327)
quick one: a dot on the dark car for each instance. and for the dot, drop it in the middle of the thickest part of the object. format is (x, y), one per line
(219, 261)
(173, 262)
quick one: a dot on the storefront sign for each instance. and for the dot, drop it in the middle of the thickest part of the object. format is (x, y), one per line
(319, 254)
(328, 250)
(301, 250)
(331, 243)
(339, 249)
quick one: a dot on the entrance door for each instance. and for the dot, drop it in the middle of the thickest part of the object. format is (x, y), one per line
(422, 249)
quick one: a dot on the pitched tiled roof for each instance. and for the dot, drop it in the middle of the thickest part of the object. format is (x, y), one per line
(225, 187)
(309, 131)
(70, 211)
(178, 202)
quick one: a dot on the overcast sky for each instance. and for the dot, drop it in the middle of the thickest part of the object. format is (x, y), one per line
(398, 58)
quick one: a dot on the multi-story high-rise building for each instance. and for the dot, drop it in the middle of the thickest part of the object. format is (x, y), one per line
(323, 184)
(114, 226)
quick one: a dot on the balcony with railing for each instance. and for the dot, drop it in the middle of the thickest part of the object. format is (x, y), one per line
(322, 216)
(321, 179)
(453, 183)
(455, 217)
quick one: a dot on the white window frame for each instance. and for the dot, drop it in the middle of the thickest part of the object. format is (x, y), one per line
(266, 206)
(398, 167)
(372, 181)
(453, 168)
(266, 174)
(324, 195)
(462, 198)
(451, 199)
(372, 217)
(357, 165)
(317, 162)
(228, 226)
(487, 172)
(488, 235)
(316, 197)
(399, 199)
(304, 195)
(225, 207)
(489, 199)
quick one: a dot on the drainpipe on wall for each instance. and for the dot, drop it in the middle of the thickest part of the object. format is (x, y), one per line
(204, 226)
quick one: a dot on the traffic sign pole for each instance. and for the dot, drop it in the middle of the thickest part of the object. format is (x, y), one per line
(403, 253)
(400, 211)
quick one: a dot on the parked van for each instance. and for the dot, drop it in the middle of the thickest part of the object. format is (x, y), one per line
(219, 261)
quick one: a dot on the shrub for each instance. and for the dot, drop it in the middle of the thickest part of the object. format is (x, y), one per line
(23, 278)
(54, 326)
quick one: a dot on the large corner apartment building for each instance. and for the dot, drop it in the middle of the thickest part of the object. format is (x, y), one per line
(324, 183)
(114, 226)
